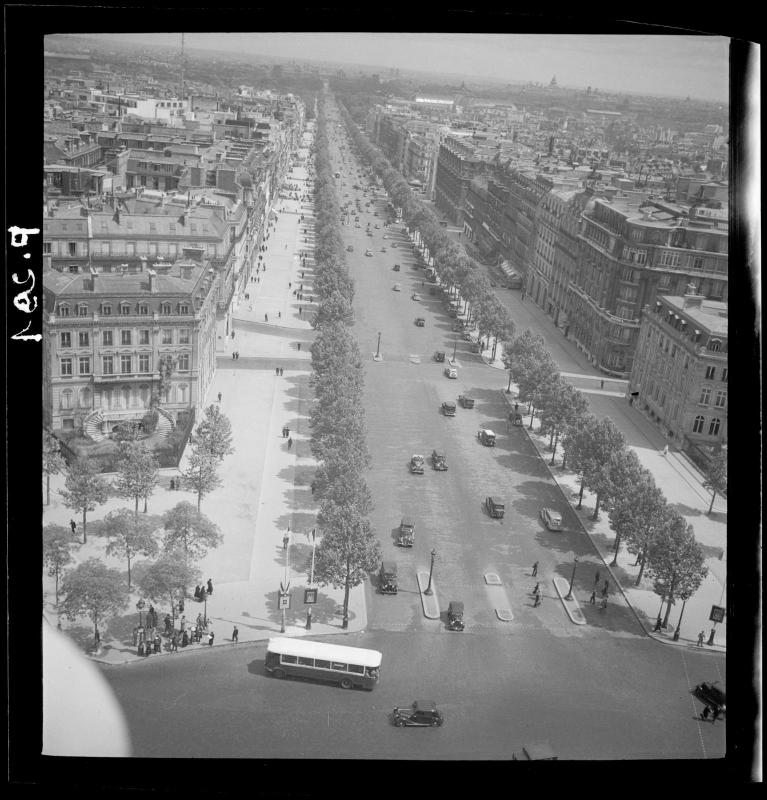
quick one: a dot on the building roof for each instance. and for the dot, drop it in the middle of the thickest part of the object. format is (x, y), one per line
(710, 316)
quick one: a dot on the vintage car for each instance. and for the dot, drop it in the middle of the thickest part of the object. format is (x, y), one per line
(439, 460)
(387, 577)
(420, 322)
(551, 519)
(475, 347)
(396, 268)
(416, 464)
(514, 282)
(369, 253)
(466, 402)
(376, 226)
(420, 714)
(711, 696)
(350, 249)
(537, 751)
(406, 532)
(384, 236)
(439, 356)
(397, 287)
(487, 437)
(495, 507)
(393, 244)
(448, 408)
(383, 249)
(451, 372)
(455, 616)
(416, 297)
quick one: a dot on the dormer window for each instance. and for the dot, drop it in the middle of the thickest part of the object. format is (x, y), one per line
(184, 309)
(715, 345)
(165, 309)
(124, 309)
(82, 310)
(106, 310)
(63, 310)
(143, 309)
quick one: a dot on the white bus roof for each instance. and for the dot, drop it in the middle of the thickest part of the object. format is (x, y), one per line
(332, 652)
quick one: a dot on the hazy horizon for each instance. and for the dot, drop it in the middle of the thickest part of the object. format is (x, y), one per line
(669, 66)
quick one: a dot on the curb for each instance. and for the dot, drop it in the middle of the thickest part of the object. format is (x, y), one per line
(430, 603)
(572, 606)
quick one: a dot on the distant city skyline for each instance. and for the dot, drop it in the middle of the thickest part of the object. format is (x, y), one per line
(670, 66)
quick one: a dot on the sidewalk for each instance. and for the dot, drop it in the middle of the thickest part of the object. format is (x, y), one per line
(265, 489)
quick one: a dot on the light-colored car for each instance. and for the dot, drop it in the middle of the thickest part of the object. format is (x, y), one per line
(416, 464)
(369, 253)
(451, 372)
(397, 287)
(551, 519)
(416, 296)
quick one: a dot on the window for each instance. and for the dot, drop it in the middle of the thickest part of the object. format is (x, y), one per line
(356, 668)
(710, 371)
(668, 258)
(63, 310)
(697, 425)
(66, 339)
(106, 338)
(715, 345)
(184, 336)
(720, 398)
(106, 310)
(143, 337)
(85, 365)
(125, 337)
(338, 665)
(124, 309)
(73, 248)
(46, 248)
(705, 396)
(83, 338)
(107, 365)
(183, 392)
(85, 398)
(82, 310)
(165, 309)
(126, 365)
(305, 661)
(724, 374)
(66, 398)
(713, 428)
(167, 336)
(184, 309)
(183, 362)
(172, 227)
(152, 227)
(143, 363)
(65, 366)
(320, 663)
(143, 309)
(285, 659)
(697, 262)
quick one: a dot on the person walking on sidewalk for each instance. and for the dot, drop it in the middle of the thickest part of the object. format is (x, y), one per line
(701, 636)
(537, 600)
(211, 636)
(266, 318)
(210, 586)
(596, 578)
(535, 569)
(235, 635)
(593, 598)
(537, 589)
(219, 397)
(664, 452)
(290, 442)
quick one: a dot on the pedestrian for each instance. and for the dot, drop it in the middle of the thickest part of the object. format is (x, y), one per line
(73, 525)
(664, 452)
(266, 318)
(299, 346)
(237, 355)
(210, 586)
(174, 643)
(199, 620)
(658, 625)
(172, 485)
(210, 638)
(157, 644)
(596, 578)
(184, 638)
(605, 587)
(232, 356)
(181, 606)
(701, 636)
(299, 311)
(167, 625)
(290, 442)
(601, 384)
(593, 598)
(233, 334)
(516, 408)
(537, 601)
(219, 397)
(235, 635)
(535, 569)
(289, 284)
(140, 650)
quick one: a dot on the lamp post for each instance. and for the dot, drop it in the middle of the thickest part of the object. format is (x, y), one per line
(508, 388)
(679, 623)
(431, 571)
(205, 608)
(311, 581)
(569, 595)
(378, 348)
(455, 347)
(140, 607)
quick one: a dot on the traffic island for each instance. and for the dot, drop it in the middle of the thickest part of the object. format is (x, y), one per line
(572, 607)
(429, 602)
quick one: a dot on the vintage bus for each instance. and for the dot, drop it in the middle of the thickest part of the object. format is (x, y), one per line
(347, 666)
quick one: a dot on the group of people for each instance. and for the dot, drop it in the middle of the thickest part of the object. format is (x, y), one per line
(201, 591)
(235, 355)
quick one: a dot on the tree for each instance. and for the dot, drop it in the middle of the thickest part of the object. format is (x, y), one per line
(56, 555)
(129, 536)
(566, 406)
(169, 579)
(675, 561)
(84, 489)
(716, 477)
(636, 515)
(53, 461)
(613, 478)
(136, 473)
(186, 528)
(200, 474)
(92, 589)
(347, 552)
(214, 433)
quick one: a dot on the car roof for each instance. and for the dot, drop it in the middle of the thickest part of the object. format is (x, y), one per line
(408, 521)
(489, 431)
(425, 705)
(448, 403)
(553, 512)
(495, 500)
(389, 566)
(456, 605)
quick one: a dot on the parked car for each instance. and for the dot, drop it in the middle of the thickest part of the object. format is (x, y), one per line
(357, 225)
(514, 281)
(416, 296)
(387, 577)
(439, 356)
(495, 507)
(384, 236)
(349, 249)
(419, 714)
(466, 402)
(537, 751)
(448, 408)
(369, 253)
(487, 437)
(439, 460)
(451, 372)
(416, 464)
(406, 532)
(396, 268)
(376, 226)
(455, 616)
(383, 249)
(420, 322)
(397, 287)
(393, 244)
(551, 519)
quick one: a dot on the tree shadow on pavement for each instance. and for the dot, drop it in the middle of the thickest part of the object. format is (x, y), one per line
(688, 511)
(326, 611)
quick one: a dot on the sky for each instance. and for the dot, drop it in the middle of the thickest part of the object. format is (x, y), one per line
(675, 65)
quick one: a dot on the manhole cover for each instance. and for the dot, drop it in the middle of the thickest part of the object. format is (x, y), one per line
(491, 579)
(504, 614)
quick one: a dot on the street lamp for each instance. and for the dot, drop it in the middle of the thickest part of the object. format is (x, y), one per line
(569, 595)
(431, 570)
(679, 624)
(378, 347)
(455, 347)
(140, 607)
(205, 608)
(508, 388)
(311, 581)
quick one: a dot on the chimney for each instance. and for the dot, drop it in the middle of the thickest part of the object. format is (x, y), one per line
(152, 280)
(693, 300)
(93, 273)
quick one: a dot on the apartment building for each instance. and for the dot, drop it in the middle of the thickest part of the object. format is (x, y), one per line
(679, 373)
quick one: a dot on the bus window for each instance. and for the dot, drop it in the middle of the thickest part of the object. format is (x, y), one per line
(306, 662)
(288, 660)
(337, 665)
(321, 663)
(360, 670)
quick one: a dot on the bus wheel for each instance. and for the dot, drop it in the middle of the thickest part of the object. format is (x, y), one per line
(346, 683)
(279, 673)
